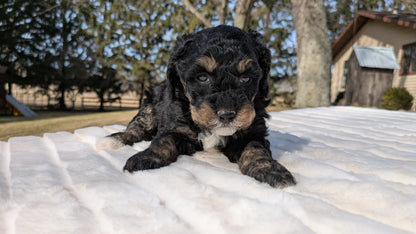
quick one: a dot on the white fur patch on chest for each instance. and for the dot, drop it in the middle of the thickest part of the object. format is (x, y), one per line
(210, 140)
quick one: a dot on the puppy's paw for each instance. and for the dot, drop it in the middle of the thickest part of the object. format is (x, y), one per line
(272, 173)
(143, 161)
(108, 143)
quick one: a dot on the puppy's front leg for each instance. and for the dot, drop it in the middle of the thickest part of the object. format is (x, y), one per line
(162, 151)
(256, 161)
(141, 127)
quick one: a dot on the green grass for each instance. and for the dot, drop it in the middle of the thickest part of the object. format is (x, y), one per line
(55, 121)
(52, 121)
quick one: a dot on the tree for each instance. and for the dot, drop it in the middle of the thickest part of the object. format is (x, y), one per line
(241, 17)
(242, 13)
(42, 43)
(59, 43)
(198, 14)
(341, 12)
(105, 84)
(313, 53)
(135, 39)
(71, 52)
(22, 35)
(272, 18)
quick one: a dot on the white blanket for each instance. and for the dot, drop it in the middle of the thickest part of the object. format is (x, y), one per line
(355, 167)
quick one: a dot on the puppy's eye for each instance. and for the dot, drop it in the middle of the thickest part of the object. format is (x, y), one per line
(203, 79)
(244, 80)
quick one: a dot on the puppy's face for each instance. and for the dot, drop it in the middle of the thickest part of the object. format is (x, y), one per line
(221, 92)
(220, 76)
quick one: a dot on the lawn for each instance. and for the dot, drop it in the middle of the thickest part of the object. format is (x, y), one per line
(55, 121)
(49, 121)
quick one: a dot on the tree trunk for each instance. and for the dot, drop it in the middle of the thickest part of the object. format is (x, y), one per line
(2, 93)
(62, 105)
(313, 53)
(101, 108)
(242, 13)
(142, 91)
(10, 84)
(221, 8)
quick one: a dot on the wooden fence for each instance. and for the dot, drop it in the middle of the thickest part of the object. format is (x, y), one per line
(80, 103)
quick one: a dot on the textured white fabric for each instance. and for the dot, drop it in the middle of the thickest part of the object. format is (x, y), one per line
(355, 167)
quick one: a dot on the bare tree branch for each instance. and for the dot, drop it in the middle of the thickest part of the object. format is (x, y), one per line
(198, 15)
(242, 13)
(221, 8)
(47, 10)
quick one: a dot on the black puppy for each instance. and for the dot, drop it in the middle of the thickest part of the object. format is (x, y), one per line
(215, 96)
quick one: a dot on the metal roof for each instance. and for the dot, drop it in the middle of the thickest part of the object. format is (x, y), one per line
(376, 57)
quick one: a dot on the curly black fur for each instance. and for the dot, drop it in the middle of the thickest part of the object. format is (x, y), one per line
(214, 97)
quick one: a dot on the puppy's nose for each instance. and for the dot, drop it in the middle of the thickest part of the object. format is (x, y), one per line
(226, 116)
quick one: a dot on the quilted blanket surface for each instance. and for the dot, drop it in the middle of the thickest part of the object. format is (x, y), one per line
(355, 167)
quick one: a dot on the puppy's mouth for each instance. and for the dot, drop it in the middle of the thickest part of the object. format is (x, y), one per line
(223, 122)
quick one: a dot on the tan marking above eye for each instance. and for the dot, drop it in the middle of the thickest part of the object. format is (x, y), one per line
(208, 63)
(243, 64)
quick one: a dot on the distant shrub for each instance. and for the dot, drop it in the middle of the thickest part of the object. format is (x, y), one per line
(396, 99)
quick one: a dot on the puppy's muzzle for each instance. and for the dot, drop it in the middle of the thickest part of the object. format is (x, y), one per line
(226, 116)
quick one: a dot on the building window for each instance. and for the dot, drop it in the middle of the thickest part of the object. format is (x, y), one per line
(409, 59)
(345, 75)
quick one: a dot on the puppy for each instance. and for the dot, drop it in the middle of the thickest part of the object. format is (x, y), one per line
(215, 96)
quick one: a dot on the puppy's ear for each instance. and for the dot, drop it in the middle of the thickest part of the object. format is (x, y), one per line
(179, 51)
(264, 59)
